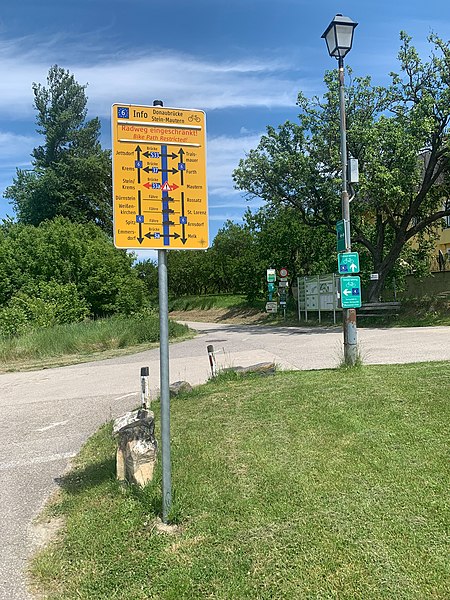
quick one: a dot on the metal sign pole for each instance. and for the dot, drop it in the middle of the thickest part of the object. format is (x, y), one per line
(349, 314)
(164, 383)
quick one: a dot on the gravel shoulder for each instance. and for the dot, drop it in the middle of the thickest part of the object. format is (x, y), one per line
(232, 316)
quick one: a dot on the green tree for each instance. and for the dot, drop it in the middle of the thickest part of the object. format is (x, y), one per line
(147, 272)
(65, 253)
(189, 272)
(234, 262)
(283, 240)
(241, 253)
(399, 134)
(71, 174)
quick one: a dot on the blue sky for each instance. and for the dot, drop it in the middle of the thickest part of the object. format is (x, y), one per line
(242, 61)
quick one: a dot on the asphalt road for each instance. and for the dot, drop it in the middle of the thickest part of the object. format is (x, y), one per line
(48, 414)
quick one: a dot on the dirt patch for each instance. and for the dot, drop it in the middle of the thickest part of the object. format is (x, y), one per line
(244, 316)
(42, 532)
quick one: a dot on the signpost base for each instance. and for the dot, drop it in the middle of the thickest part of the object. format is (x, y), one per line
(350, 337)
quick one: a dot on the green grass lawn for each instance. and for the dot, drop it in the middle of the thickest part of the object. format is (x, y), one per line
(306, 485)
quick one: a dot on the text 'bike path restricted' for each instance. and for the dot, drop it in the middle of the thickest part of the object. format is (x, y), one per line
(159, 178)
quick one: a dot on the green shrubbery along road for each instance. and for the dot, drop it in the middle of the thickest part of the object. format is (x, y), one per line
(78, 342)
(59, 272)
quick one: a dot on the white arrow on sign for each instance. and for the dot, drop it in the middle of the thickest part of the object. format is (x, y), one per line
(347, 292)
(353, 267)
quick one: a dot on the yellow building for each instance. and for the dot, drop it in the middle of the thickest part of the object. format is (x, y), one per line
(442, 259)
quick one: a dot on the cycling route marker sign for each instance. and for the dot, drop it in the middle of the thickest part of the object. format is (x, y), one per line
(160, 197)
(351, 292)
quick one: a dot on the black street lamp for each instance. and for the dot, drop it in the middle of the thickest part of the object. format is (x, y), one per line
(339, 36)
(339, 39)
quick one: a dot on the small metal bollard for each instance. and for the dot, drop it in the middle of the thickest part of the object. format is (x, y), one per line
(145, 395)
(212, 360)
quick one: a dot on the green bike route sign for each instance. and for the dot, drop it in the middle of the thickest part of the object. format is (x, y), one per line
(348, 263)
(342, 235)
(351, 292)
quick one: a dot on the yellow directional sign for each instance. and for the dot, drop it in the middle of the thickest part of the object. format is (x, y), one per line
(159, 178)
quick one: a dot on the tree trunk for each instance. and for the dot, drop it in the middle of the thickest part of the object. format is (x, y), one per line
(375, 289)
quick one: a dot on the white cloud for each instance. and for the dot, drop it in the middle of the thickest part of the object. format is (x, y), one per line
(15, 149)
(14, 152)
(178, 79)
(224, 153)
(222, 217)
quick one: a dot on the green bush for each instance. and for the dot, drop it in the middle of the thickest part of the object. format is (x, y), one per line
(13, 321)
(87, 337)
(43, 304)
(69, 254)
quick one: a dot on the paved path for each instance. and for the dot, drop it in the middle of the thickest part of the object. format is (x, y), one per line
(48, 414)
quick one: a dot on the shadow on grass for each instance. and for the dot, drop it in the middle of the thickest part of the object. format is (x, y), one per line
(82, 478)
(149, 496)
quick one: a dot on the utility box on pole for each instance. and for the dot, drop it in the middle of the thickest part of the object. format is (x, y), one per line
(353, 170)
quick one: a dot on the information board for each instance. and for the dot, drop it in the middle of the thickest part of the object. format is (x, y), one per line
(351, 292)
(159, 178)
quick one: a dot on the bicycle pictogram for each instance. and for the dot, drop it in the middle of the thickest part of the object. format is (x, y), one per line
(193, 118)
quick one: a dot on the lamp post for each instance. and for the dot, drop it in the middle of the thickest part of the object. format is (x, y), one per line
(339, 39)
